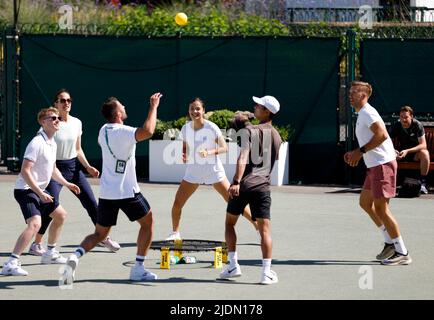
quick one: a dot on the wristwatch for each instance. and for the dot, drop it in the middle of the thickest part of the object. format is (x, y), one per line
(362, 149)
(235, 182)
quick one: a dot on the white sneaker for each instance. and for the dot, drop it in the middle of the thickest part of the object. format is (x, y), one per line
(269, 277)
(231, 272)
(53, 257)
(423, 189)
(139, 273)
(69, 273)
(13, 268)
(110, 244)
(174, 235)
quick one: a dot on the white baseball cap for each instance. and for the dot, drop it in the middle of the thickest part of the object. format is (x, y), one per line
(268, 102)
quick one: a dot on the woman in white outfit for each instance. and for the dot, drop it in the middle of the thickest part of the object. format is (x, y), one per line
(202, 143)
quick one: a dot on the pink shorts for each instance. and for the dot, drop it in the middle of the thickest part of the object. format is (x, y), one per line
(381, 180)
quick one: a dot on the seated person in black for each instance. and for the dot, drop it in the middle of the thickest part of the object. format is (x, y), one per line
(410, 136)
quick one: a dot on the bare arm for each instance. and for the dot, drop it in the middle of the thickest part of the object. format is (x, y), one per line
(222, 147)
(184, 151)
(421, 146)
(380, 135)
(82, 158)
(28, 178)
(57, 176)
(234, 189)
(148, 128)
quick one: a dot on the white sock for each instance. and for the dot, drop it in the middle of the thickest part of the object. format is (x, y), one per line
(386, 236)
(13, 257)
(79, 252)
(266, 265)
(140, 261)
(233, 258)
(399, 245)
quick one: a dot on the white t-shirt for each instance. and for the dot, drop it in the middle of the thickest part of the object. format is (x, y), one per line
(204, 138)
(42, 152)
(385, 152)
(66, 138)
(122, 142)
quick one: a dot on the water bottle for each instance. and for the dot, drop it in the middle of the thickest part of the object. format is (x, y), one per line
(189, 259)
(174, 259)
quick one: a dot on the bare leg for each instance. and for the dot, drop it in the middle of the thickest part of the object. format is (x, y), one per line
(38, 238)
(93, 239)
(230, 234)
(366, 202)
(59, 217)
(144, 237)
(33, 225)
(266, 241)
(424, 158)
(185, 190)
(222, 187)
(382, 210)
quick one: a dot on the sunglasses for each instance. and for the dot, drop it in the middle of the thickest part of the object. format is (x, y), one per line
(53, 118)
(64, 100)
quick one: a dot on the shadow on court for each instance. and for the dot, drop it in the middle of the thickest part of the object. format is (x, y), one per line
(323, 246)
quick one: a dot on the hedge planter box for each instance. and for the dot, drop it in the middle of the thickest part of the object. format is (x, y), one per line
(165, 164)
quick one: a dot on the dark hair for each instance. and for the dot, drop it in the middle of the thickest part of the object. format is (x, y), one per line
(108, 108)
(197, 99)
(407, 109)
(63, 90)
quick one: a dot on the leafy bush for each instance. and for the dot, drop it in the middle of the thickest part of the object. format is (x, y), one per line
(177, 124)
(286, 132)
(222, 118)
(160, 128)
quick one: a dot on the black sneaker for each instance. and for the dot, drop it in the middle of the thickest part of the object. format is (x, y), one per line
(397, 259)
(387, 252)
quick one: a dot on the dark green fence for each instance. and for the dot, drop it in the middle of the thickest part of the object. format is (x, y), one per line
(224, 72)
(401, 73)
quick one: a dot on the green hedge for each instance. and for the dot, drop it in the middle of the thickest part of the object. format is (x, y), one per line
(222, 118)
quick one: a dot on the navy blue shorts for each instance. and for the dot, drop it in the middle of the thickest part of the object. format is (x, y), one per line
(259, 202)
(31, 205)
(135, 209)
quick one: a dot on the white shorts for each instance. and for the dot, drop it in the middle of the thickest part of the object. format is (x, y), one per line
(205, 176)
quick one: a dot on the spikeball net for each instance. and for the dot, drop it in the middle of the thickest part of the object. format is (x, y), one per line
(190, 245)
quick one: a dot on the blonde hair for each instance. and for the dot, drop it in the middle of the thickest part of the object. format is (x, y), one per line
(365, 87)
(44, 112)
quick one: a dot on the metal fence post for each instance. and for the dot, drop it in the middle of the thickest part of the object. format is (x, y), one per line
(350, 77)
(11, 99)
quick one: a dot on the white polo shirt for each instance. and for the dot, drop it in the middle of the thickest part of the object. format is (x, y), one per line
(122, 142)
(66, 138)
(42, 152)
(385, 152)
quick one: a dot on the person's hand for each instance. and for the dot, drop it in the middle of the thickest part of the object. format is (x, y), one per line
(155, 100)
(203, 153)
(234, 191)
(74, 188)
(93, 171)
(352, 158)
(402, 154)
(46, 198)
(184, 157)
